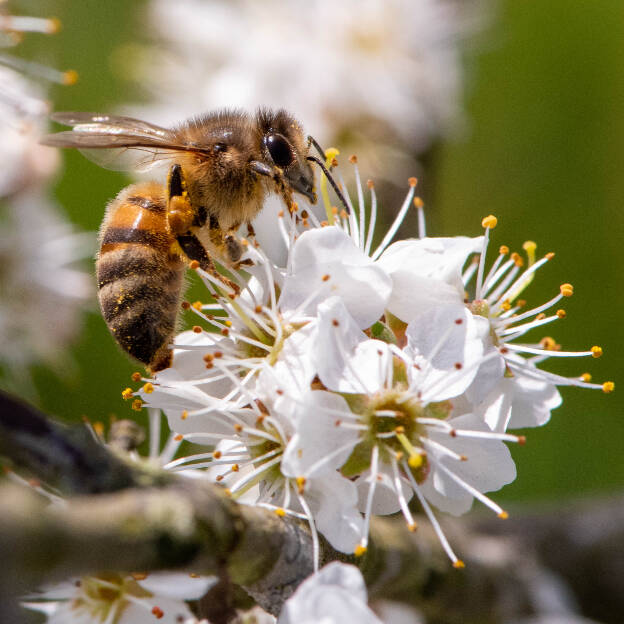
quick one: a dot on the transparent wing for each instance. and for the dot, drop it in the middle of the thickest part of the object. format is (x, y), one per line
(116, 142)
(129, 158)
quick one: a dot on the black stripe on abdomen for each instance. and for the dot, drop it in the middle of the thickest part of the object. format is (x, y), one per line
(133, 235)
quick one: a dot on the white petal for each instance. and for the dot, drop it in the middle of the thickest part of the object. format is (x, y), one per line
(172, 610)
(413, 294)
(488, 467)
(353, 277)
(532, 402)
(447, 345)
(385, 499)
(317, 436)
(337, 337)
(178, 585)
(333, 500)
(334, 595)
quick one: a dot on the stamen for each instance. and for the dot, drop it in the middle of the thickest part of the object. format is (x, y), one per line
(373, 217)
(434, 522)
(396, 223)
(407, 514)
(154, 431)
(374, 469)
(422, 226)
(488, 502)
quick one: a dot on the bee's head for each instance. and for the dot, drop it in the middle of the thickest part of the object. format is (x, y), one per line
(283, 145)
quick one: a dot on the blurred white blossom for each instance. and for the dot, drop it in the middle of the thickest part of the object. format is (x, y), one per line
(42, 291)
(114, 598)
(360, 72)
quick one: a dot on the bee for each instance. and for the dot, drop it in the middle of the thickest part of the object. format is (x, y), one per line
(221, 168)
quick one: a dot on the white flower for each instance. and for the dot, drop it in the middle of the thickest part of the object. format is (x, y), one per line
(390, 424)
(334, 595)
(111, 597)
(44, 293)
(39, 251)
(350, 378)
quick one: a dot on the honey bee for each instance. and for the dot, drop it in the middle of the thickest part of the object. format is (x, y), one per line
(221, 168)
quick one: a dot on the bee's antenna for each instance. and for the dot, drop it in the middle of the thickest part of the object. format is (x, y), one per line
(329, 177)
(312, 141)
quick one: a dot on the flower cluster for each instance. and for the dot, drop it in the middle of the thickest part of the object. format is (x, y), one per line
(362, 379)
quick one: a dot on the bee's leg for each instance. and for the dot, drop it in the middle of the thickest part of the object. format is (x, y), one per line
(277, 175)
(181, 217)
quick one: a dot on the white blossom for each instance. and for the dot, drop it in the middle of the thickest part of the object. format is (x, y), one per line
(336, 594)
(352, 377)
(111, 597)
(318, 59)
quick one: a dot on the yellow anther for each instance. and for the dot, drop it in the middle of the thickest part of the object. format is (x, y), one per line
(596, 351)
(506, 305)
(334, 210)
(567, 290)
(53, 25)
(518, 259)
(238, 428)
(197, 305)
(359, 550)
(586, 377)
(137, 405)
(227, 492)
(411, 527)
(70, 77)
(418, 202)
(540, 316)
(549, 343)
(353, 159)
(503, 250)
(561, 313)
(370, 184)
(300, 481)
(412, 181)
(399, 429)
(415, 460)
(136, 376)
(235, 468)
(148, 388)
(489, 222)
(608, 386)
(193, 265)
(128, 393)
(178, 437)
(503, 515)
(98, 427)
(331, 153)
(280, 512)
(459, 564)
(184, 415)
(550, 255)
(227, 323)
(530, 247)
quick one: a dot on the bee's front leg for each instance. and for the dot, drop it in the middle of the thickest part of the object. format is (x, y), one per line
(281, 187)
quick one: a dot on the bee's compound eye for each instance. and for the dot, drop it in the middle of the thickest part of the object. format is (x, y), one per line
(279, 149)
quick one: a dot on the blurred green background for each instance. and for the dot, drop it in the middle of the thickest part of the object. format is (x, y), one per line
(542, 148)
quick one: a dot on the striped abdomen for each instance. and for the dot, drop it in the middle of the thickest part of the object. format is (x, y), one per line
(140, 274)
